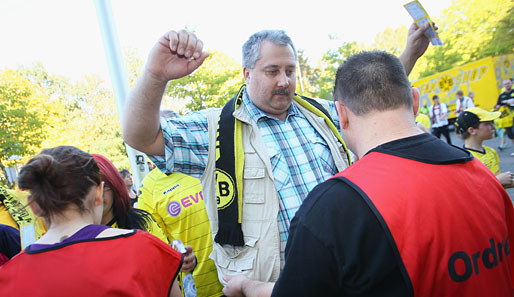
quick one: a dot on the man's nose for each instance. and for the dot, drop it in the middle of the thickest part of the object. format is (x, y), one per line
(283, 80)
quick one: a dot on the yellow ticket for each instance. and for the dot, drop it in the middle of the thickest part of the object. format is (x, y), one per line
(420, 16)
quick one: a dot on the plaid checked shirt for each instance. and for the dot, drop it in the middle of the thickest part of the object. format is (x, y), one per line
(299, 156)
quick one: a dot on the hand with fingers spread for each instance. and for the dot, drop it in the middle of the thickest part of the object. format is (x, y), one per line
(175, 55)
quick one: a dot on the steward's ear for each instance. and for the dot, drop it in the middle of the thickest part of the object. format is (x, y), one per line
(415, 100)
(342, 114)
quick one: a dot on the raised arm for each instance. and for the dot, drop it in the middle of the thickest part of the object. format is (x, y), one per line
(175, 55)
(417, 44)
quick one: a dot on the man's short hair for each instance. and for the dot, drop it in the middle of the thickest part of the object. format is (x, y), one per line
(435, 97)
(372, 81)
(251, 48)
(460, 93)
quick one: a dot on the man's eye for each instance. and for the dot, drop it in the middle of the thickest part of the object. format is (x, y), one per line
(272, 72)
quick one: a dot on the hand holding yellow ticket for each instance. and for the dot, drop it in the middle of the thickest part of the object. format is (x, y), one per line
(420, 16)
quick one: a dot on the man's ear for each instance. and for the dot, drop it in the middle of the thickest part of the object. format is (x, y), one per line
(415, 100)
(246, 74)
(342, 114)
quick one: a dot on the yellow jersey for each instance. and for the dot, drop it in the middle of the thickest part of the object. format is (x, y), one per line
(423, 119)
(489, 158)
(176, 202)
(153, 228)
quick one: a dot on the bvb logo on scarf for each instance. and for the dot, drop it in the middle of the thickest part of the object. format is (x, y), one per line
(225, 192)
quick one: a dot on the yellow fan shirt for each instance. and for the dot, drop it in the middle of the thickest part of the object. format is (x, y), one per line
(176, 202)
(489, 158)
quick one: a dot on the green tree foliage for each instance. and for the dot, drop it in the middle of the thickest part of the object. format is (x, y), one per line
(306, 76)
(328, 67)
(22, 117)
(83, 114)
(391, 40)
(470, 24)
(133, 64)
(95, 121)
(502, 41)
(60, 105)
(211, 85)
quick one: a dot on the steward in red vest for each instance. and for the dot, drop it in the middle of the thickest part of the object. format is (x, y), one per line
(413, 216)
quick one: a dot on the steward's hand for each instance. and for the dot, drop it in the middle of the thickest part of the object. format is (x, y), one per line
(175, 55)
(417, 44)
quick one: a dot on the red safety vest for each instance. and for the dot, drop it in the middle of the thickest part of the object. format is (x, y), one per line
(451, 224)
(136, 265)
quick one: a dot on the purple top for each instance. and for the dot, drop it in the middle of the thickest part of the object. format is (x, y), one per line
(87, 232)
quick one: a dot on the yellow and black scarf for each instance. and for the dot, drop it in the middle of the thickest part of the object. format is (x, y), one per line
(22, 215)
(230, 163)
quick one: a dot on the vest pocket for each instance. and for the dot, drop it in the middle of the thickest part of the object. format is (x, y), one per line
(253, 185)
(232, 259)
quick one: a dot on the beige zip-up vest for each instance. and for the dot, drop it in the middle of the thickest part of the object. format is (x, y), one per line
(259, 259)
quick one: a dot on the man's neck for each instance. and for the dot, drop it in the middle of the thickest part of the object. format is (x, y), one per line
(383, 127)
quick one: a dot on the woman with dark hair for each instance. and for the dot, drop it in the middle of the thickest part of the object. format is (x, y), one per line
(118, 211)
(129, 184)
(74, 257)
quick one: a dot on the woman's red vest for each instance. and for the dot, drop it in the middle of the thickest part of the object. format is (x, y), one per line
(137, 264)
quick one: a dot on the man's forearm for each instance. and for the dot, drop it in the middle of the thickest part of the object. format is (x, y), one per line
(242, 286)
(140, 124)
(408, 60)
(253, 288)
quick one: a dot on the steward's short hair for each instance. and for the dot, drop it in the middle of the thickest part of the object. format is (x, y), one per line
(372, 81)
